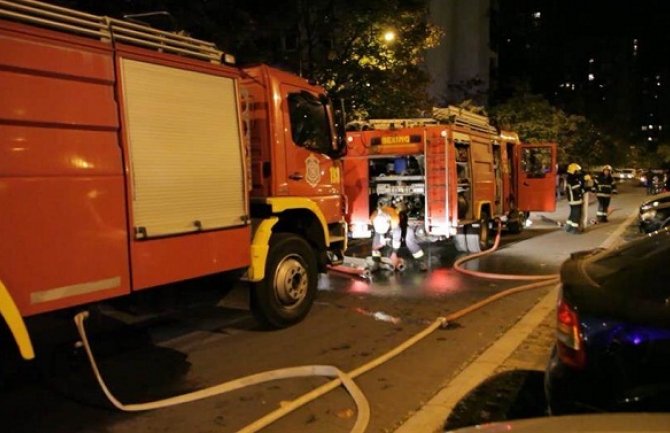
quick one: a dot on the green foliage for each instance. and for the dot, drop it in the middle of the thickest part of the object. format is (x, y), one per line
(663, 153)
(339, 43)
(536, 120)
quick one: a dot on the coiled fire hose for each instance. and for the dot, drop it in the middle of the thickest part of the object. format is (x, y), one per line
(340, 378)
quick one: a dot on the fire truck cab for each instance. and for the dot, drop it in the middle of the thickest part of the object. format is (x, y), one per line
(132, 158)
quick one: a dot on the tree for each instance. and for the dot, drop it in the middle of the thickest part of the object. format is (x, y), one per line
(338, 43)
(536, 120)
(663, 153)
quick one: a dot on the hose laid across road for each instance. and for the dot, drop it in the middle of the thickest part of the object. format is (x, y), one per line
(340, 378)
(458, 266)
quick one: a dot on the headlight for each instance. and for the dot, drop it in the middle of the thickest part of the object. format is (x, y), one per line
(648, 215)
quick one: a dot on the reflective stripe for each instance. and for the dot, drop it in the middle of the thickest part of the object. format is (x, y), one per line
(600, 213)
(602, 194)
(376, 253)
(580, 201)
(571, 223)
(576, 186)
(74, 290)
(395, 245)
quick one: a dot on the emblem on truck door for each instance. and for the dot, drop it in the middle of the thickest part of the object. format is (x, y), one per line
(312, 170)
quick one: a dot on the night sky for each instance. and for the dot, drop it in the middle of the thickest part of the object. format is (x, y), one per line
(607, 60)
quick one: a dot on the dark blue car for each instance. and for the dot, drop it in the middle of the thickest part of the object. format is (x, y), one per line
(612, 349)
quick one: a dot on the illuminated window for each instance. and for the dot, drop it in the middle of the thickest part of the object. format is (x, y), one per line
(537, 15)
(592, 77)
(644, 127)
(591, 60)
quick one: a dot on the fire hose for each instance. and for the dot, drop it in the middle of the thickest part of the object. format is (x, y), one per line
(339, 378)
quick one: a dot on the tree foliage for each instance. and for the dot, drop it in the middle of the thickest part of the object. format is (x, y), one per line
(536, 120)
(338, 43)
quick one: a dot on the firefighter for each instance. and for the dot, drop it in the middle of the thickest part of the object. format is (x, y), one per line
(389, 221)
(575, 187)
(604, 188)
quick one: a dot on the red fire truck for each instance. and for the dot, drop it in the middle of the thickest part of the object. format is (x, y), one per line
(454, 174)
(132, 158)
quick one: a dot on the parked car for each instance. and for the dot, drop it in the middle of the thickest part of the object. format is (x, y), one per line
(655, 213)
(612, 349)
(623, 174)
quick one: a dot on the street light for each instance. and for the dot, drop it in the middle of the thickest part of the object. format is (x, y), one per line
(389, 36)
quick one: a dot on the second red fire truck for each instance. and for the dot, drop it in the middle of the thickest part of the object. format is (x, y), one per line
(454, 174)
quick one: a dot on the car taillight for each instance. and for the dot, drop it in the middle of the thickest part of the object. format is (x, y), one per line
(569, 340)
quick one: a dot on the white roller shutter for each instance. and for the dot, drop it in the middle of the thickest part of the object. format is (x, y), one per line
(183, 134)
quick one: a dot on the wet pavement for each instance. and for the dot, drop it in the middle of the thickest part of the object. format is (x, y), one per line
(202, 341)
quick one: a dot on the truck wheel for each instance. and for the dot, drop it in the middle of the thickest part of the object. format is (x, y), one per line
(287, 292)
(484, 232)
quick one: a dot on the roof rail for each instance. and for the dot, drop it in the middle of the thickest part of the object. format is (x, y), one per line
(108, 29)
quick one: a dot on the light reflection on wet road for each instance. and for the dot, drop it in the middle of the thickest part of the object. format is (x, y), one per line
(439, 281)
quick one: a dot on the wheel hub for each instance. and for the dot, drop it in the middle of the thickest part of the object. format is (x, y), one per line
(291, 281)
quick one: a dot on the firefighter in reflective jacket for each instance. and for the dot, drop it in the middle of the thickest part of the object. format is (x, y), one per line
(575, 187)
(604, 188)
(388, 220)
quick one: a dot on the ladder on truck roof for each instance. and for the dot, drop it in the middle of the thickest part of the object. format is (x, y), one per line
(450, 115)
(110, 29)
(463, 117)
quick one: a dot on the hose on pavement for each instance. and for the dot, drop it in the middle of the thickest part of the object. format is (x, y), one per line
(458, 265)
(340, 378)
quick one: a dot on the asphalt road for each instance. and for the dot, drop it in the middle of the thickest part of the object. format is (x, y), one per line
(202, 342)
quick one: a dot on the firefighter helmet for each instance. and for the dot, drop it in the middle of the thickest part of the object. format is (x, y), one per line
(574, 168)
(607, 167)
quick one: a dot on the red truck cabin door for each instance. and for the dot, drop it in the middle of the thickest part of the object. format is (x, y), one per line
(536, 180)
(310, 172)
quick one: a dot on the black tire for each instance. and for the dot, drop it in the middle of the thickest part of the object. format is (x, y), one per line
(287, 292)
(485, 232)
